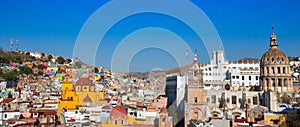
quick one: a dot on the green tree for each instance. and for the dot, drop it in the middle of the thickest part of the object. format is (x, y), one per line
(50, 57)
(286, 99)
(1, 72)
(41, 67)
(9, 95)
(25, 70)
(96, 70)
(40, 73)
(61, 60)
(292, 119)
(10, 76)
(69, 61)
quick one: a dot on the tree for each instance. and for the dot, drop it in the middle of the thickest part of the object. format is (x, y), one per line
(41, 67)
(25, 70)
(40, 73)
(27, 53)
(69, 61)
(61, 60)
(10, 76)
(9, 95)
(286, 99)
(50, 57)
(96, 70)
(292, 119)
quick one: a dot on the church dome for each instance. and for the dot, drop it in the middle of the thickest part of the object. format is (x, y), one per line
(274, 56)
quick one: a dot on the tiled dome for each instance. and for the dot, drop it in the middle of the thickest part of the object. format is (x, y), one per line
(274, 56)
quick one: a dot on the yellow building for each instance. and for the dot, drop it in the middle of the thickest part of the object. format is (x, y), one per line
(274, 118)
(69, 99)
(85, 90)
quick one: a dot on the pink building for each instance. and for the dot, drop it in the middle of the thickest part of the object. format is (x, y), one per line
(160, 102)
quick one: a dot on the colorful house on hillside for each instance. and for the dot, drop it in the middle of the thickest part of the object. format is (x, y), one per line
(69, 99)
(85, 90)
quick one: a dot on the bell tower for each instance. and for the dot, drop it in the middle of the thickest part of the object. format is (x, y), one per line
(194, 106)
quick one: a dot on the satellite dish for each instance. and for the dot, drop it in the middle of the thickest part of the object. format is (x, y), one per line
(227, 87)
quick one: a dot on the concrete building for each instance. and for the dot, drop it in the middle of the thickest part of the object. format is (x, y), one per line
(175, 90)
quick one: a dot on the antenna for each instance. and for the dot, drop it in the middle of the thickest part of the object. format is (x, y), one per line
(17, 45)
(11, 44)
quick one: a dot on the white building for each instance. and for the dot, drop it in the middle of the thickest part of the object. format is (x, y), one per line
(36, 54)
(239, 73)
(6, 115)
(244, 72)
(216, 71)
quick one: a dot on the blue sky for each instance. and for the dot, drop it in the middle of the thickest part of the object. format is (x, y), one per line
(244, 27)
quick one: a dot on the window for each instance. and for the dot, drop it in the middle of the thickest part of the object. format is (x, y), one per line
(256, 78)
(213, 99)
(207, 100)
(278, 70)
(116, 121)
(255, 100)
(249, 100)
(249, 77)
(195, 73)
(233, 77)
(279, 82)
(196, 100)
(233, 99)
(5, 115)
(122, 122)
(237, 77)
(195, 115)
(243, 78)
(85, 87)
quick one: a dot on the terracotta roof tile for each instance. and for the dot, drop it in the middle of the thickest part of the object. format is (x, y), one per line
(8, 100)
(84, 82)
(118, 111)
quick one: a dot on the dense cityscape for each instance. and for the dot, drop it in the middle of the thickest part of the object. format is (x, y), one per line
(149, 63)
(40, 89)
